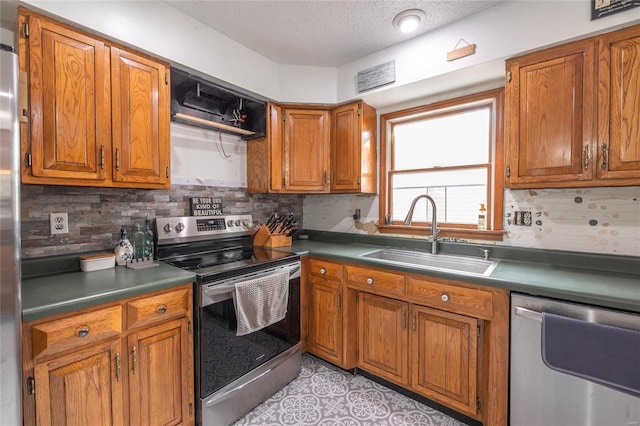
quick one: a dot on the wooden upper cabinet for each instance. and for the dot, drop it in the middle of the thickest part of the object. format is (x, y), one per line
(353, 148)
(572, 116)
(264, 155)
(619, 106)
(98, 115)
(69, 103)
(549, 116)
(306, 150)
(140, 104)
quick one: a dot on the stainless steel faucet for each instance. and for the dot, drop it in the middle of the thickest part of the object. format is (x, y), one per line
(434, 222)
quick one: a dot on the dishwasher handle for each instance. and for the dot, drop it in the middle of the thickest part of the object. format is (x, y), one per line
(528, 313)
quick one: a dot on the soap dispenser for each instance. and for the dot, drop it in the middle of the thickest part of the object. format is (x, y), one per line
(482, 217)
(124, 249)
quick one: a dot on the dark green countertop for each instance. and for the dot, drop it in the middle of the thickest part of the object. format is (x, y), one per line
(601, 280)
(56, 285)
(68, 290)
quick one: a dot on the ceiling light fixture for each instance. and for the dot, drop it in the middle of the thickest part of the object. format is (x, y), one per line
(409, 20)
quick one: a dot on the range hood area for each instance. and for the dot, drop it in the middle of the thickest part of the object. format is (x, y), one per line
(201, 103)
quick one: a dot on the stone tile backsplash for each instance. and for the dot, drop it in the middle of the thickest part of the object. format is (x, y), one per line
(97, 214)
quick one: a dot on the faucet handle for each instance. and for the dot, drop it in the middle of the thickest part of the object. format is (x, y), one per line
(486, 252)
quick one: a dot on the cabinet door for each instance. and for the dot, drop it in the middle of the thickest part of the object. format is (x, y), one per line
(383, 337)
(549, 117)
(264, 156)
(325, 320)
(345, 148)
(619, 106)
(161, 375)
(83, 388)
(140, 120)
(444, 357)
(353, 148)
(306, 150)
(69, 102)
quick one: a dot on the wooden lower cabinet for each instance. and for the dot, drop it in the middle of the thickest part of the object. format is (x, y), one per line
(82, 388)
(444, 357)
(157, 391)
(383, 337)
(141, 375)
(442, 339)
(325, 320)
(331, 313)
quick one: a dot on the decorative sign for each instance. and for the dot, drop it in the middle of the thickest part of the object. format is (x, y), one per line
(601, 8)
(377, 76)
(206, 206)
(461, 52)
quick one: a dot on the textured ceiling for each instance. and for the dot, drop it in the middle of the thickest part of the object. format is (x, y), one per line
(322, 32)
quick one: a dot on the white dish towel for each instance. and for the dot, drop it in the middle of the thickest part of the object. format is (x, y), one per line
(261, 302)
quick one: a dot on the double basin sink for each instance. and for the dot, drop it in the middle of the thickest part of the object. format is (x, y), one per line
(465, 265)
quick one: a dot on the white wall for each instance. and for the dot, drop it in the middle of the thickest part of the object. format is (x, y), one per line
(6, 37)
(516, 27)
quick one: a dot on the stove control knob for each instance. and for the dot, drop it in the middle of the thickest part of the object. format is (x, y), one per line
(229, 223)
(167, 228)
(245, 223)
(179, 227)
(238, 222)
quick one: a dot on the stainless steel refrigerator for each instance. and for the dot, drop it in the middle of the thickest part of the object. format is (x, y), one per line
(10, 313)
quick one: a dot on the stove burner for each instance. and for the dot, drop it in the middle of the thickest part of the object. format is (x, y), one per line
(212, 259)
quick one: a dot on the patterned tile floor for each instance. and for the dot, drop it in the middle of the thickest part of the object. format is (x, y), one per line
(325, 395)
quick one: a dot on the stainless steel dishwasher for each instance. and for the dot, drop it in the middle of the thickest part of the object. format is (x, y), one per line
(543, 393)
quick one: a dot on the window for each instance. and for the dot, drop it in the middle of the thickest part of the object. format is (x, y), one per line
(451, 151)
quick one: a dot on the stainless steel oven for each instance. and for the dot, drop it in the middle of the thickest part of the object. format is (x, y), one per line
(233, 373)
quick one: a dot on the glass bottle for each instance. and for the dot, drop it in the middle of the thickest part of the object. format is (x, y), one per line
(138, 242)
(124, 249)
(148, 240)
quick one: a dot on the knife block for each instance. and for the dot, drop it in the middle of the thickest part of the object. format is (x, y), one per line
(264, 238)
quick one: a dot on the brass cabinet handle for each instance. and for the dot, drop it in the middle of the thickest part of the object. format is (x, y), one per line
(117, 158)
(413, 326)
(605, 156)
(326, 178)
(82, 331)
(161, 309)
(102, 156)
(404, 320)
(587, 157)
(134, 353)
(118, 367)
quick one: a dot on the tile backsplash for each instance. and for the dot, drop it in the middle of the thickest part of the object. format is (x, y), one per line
(593, 220)
(97, 214)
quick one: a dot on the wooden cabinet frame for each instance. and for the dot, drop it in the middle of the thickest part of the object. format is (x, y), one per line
(143, 371)
(571, 114)
(476, 315)
(97, 113)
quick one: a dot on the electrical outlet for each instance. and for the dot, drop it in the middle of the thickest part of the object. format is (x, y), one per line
(522, 218)
(59, 223)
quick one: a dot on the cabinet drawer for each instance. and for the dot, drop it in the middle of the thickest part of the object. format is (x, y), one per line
(376, 281)
(451, 298)
(76, 331)
(158, 308)
(324, 269)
